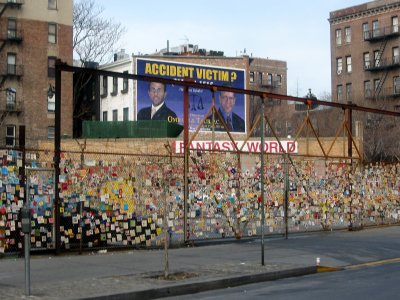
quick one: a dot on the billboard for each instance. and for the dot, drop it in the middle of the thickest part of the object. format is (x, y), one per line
(170, 101)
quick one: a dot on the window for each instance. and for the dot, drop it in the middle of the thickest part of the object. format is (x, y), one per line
(376, 58)
(347, 34)
(52, 33)
(50, 132)
(52, 4)
(126, 114)
(395, 24)
(115, 115)
(269, 79)
(348, 64)
(260, 77)
(338, 37)
(103, 88)
(11, 97)
(251, 77)
(339, 65)
(51, 66)
(377, 83)
(396, 55)
(11, 28)
(396, 85)
(10, 135)
(339, 93)
(365, 28)
(115, 86)
(105, 116)
(51, 100)
(125, 84)
(367, 62)
(375, 29)
(11, 63)
(348, 92)
(279, 79)
(367, 89)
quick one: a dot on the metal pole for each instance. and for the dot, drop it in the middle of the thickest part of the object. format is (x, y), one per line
(262, 181)
(57, 153)
(186, 159)
(350, 154)
(286, 162)
(27, 235)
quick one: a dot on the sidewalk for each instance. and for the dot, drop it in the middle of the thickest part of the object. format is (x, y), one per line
(138, 273)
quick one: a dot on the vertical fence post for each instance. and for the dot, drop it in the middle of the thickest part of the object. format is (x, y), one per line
(186, 159)
(262, 180)
(350, 155)
(285, 204)
(57, 154)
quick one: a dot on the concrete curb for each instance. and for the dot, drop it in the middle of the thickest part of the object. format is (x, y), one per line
(209, 284)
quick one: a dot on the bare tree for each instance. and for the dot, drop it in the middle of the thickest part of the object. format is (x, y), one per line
(95, 38)
(95, 41)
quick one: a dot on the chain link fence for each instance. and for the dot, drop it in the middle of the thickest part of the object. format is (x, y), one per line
(123, 200)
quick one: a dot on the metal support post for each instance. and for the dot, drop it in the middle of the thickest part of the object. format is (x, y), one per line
(262, 180)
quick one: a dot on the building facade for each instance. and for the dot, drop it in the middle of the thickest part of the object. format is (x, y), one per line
(365, 66)
(33, 35)
(118, 96)
(365, 54)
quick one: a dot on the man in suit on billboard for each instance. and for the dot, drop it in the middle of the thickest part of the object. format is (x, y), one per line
(158, 110)
(234, 122)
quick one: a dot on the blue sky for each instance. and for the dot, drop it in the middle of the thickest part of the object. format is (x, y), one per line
(291, 30)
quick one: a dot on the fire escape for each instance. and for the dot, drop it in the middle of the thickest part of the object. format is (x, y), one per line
(10, 71)
(383, 65)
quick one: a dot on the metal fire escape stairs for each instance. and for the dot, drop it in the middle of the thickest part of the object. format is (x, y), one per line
(385, 70)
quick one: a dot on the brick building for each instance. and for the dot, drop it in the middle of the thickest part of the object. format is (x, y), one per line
(365, 66)
(365, 54)
(33, 34)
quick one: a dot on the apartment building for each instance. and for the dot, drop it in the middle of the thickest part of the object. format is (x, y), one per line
(365, 54)
(33, 35)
